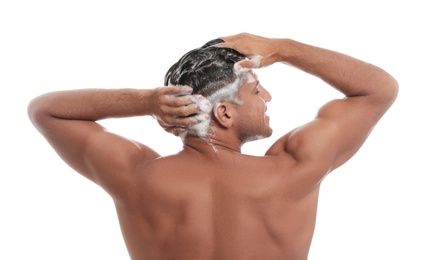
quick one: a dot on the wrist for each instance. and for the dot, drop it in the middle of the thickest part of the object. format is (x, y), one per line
(144, 101)
(284, 50)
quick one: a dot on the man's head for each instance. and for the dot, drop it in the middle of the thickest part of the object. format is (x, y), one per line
(210, 72)
(206, 70)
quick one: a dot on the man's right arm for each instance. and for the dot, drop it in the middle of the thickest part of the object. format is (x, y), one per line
(342, 125)
(69, 122)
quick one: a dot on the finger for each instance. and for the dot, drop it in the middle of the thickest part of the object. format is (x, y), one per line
(232, 38)
(243, 66)
(256, 61)
(204, 104)
(184, 111)
(197, 101)
(178, 130)
(230, 45)
(181, 101)
(176, 90)
(185, 100)
(224, 45)
(248, 64)
(175, 130)
(191, 120)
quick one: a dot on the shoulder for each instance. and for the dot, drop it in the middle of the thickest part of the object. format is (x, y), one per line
(303, 153)
(117, 167)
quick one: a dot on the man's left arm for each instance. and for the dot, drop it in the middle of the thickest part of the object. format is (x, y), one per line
(68, 120)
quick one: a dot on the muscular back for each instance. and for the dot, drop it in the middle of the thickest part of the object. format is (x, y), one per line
(202, 204)
(221, 206)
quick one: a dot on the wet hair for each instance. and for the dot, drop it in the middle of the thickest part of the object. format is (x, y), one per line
(206, 69)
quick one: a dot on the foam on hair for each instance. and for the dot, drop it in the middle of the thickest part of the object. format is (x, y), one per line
(209, 71)
(205, 69)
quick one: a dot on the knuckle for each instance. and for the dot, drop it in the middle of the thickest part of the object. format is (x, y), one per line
(178, 102)
(185, 111)
(164, 109)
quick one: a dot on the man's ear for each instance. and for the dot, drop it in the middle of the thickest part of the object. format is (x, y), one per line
(223, 114)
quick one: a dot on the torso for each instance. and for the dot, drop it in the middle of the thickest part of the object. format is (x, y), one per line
(189, 206)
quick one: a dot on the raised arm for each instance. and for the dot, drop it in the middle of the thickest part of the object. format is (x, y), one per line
(342, 125)
(67, 119)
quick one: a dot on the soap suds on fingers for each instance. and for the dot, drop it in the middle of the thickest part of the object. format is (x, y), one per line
(256, 63)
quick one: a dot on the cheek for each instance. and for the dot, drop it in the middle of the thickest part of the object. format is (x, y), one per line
(252, 109)
(263, 100)
(259, 106)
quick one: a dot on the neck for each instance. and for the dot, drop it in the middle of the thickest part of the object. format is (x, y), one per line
(212, 145)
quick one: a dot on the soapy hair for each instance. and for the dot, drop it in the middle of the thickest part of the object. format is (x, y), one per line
(206, 70)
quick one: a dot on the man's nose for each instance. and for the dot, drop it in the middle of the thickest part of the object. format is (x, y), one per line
(266, 95)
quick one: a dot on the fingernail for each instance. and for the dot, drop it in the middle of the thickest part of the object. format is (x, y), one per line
(202, 117)
(187, 89)
(193, 98)
(204, 105)
(197, 98)
(240, 68)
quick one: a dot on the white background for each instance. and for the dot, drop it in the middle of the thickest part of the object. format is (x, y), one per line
(377, 206)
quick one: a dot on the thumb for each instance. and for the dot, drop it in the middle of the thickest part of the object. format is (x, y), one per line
(248, 64)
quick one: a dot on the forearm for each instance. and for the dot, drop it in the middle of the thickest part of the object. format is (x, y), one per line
(92, 104)
(171, 106)
(351, 76)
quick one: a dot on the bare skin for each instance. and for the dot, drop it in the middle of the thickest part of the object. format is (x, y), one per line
(211, 201)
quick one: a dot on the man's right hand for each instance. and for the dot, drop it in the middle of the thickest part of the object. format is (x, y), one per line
(176, 109)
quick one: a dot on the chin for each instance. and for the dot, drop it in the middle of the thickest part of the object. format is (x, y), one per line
(257, 137)
(270, 133)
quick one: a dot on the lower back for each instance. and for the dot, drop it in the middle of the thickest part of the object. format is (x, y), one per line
(216, 212)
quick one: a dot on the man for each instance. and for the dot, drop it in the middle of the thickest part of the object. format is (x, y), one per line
(209, 201)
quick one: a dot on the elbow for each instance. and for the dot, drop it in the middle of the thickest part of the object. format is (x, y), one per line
(391, 90)
(386, 90)
(33, 111)
(36, 111)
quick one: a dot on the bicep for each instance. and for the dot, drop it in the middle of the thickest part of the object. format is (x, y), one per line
(336, 134)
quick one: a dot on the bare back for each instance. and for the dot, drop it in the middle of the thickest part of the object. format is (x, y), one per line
(226, 206)
(202, 204)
